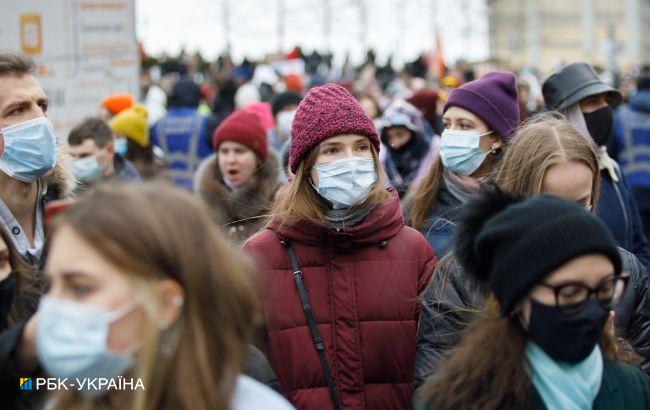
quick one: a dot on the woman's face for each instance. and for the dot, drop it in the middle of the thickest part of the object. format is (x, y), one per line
(589, 270)
(572, 180)
(237, 162)
(340, 147)
(77, 272)
(5, 265)
(459, 119)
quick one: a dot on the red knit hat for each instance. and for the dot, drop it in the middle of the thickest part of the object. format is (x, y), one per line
(325, 112)
(245, 128)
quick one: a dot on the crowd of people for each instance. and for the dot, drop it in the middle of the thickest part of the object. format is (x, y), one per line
(347, 238)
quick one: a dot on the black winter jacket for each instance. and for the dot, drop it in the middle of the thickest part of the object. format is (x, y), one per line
(451, 298)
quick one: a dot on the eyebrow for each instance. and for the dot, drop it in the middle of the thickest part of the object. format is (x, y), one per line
(459, 119)
(25, 102)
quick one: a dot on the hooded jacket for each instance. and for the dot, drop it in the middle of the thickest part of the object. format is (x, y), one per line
(452, 298)
(240, 213)
(363, 283)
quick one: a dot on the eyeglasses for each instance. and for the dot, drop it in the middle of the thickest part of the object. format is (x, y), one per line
(573, 296)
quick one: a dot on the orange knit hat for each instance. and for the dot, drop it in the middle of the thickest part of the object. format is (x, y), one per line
(116, 103)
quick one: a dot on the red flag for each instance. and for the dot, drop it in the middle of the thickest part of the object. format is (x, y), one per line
(437, 60)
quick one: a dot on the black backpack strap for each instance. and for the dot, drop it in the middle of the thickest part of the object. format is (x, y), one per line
(311, 321)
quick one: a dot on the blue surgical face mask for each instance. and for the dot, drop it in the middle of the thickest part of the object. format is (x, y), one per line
(87, 169)
(460, 152)
(347, 181)
(29, 149)
(71, 340)
(120, 146)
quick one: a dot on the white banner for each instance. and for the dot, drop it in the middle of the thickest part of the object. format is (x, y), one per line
(84, 50)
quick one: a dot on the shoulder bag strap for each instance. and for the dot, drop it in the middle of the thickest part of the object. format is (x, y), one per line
(311, 321)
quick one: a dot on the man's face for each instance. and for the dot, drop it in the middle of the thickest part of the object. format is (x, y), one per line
(21, 99)
(89, 148)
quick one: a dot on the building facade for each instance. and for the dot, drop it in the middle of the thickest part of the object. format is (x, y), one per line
(544, 34)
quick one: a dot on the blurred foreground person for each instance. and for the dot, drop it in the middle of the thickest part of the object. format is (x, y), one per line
(340, 329)
(553, 273)
(145, 290)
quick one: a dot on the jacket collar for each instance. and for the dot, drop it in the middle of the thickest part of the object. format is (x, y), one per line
(383, 223)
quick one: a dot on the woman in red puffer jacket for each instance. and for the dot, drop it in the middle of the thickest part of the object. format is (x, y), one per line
(357, 268)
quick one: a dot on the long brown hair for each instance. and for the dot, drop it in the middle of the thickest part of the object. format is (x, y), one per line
(487, 369)
(154, 232)
(545, 140)
(302, 202)
(423, 197)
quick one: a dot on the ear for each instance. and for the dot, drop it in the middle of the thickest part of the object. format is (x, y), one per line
(172, 298)
(110, 147)
(495, 141)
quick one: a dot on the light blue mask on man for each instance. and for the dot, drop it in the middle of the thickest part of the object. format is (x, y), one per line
(71, 341)
(29, 149)
(347, 181)
(460, 152)
(87, 169)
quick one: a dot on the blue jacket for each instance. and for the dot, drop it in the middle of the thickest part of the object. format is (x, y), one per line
(439, 227)
(181, 134)
(631, 146)
(617, 208)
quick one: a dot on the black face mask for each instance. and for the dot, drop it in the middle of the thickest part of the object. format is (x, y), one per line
(600, 124)
(567, 337)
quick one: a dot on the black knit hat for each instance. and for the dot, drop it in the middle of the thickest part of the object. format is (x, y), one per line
(513, 243)
(283, 100)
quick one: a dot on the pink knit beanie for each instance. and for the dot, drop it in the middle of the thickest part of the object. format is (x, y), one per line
(326, 112)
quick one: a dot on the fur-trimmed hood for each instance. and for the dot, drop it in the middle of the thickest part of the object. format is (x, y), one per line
(254, 199)
(61, 178)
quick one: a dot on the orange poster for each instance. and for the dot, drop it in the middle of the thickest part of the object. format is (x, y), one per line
(31, 35)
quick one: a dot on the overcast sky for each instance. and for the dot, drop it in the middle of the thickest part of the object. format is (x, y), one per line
(401, 27)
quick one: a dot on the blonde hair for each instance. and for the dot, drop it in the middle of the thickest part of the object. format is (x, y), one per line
(302, 202)
(544, 141)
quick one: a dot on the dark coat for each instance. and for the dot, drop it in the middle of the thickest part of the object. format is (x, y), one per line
(617, 208)
(439, 227)
(241, 213)
(449, 303)
(363, 283)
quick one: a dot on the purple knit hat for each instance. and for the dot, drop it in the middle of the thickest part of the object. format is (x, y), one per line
(325, 112)
(493, 98)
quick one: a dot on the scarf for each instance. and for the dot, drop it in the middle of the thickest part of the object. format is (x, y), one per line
(564, 385)
(460, 187)
(344, 218)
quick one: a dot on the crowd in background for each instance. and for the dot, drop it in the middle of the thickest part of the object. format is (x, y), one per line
(288, 233)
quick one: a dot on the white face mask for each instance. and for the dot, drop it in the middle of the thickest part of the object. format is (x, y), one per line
(71, 340)
(347, 181)
(284, 121)
(460, 152)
